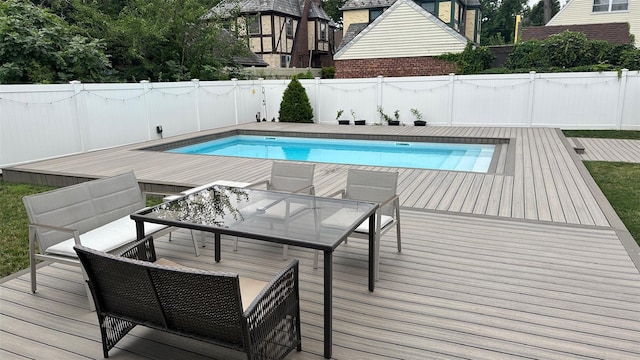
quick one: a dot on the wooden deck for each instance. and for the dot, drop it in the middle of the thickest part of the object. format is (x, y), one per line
(527, 262)
(610, 150)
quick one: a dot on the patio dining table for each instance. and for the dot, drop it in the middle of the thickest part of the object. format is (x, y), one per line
(277, 217)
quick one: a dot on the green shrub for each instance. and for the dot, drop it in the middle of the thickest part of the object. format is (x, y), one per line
(329, 72)
(471, 60)
(295, 105)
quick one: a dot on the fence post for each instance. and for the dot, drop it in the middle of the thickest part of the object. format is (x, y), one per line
(532, 86)
(263, 95)
(145, 88)
(452, 81)
(622, 89)
(317, 102)
(380, 84)
(196, 83)
(77, 90)
(235, 98)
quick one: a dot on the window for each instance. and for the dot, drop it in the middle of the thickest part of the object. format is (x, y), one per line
(284, 61)
(323, 31)
(289, 25)
(253, 25)
(374, 13)
(429, 5)
(610, 5)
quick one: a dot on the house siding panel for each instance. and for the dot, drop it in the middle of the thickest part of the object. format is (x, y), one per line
(354, 17)
(403, 33)
(581, 12)
(444, 12)
(266, 25)
(469, 24)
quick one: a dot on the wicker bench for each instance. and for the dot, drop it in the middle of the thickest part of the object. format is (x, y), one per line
(93, 213)
(130, 289)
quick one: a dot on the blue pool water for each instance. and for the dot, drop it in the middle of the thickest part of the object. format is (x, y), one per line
(440, 156)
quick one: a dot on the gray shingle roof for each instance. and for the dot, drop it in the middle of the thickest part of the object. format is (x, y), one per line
(288, 7)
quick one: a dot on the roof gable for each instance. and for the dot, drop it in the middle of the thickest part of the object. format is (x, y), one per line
(403, 30)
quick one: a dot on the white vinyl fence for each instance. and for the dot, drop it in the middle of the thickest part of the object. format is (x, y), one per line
(44, 121)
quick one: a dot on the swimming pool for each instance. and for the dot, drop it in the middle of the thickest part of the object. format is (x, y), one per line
(420, 155)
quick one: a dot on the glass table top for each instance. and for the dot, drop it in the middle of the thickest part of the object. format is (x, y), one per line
(295, 219)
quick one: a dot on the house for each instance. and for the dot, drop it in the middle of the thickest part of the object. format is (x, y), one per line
(402, 37)
(279, 34)
(580, 12)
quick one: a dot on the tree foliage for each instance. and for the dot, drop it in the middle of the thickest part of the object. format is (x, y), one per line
(332, 8)
(471, 60)
(570, 50)
(295, 105)
(37, 46)
(535, 16)
(499, 20)
(158, 40)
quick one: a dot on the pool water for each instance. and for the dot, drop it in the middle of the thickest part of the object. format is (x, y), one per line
(420, 155)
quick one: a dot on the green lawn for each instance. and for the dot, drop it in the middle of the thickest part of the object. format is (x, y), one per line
(603, 134)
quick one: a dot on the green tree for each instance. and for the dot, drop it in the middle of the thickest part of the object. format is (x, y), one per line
(332, 8)
(37, 46)
(295, 105)
(499, 19)
(535, 16)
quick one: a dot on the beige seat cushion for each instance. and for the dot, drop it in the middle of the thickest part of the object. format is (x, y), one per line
(345, 217)
(249, 288)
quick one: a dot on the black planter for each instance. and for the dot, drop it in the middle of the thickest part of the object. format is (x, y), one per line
(419, 123)
(360, 122)
(343, 122)
(394, 122)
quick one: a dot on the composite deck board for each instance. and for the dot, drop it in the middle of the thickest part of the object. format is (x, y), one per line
(522, 263)
(459, 289)
(610, 150)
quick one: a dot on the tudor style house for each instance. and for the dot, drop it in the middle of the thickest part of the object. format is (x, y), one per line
(279, 34)
(583, 12)
(401, 37)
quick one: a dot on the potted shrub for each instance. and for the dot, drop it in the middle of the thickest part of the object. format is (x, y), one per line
(396, 115)
(418, 118)
(357, 122)
(388, 118)
(339, 115)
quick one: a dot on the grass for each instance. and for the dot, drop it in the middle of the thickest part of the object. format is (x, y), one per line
(603, 134)
(620, 184)
(14, 232)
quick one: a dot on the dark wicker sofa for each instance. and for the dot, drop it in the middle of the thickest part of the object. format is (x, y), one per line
(131, 290)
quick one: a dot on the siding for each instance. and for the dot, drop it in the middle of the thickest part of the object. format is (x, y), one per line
(354, 17)
(404, 32)
(580, 12)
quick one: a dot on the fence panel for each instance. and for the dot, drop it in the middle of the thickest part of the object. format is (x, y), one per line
(43, 121)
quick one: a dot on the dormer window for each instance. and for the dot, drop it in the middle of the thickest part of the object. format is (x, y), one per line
(374, 13)
(610, 5)
(429, 5)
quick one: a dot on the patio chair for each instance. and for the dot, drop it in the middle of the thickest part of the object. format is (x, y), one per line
(374, 186)
(285, 177)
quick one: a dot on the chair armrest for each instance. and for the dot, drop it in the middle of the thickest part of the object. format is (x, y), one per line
(73, 232)
(389, 200)
(334, 194)
(276, 309)
(141, 250)
(261, 182)
(308, 187)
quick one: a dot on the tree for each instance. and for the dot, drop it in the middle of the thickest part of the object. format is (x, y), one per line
(37, 46)
(499, 19)
(332, 8)
(295, 105)
(536, 16)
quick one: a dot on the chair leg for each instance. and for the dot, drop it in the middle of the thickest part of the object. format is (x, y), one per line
(195, 243)
(170, 235)
(285, 252)
(32, 257)
(377, 256)
(235, 244)
(315, 259)
(398, 225)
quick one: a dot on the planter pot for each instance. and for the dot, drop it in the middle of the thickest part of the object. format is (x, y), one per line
(360, 122)
(419, 123)
(343, 122)
(394, 122)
